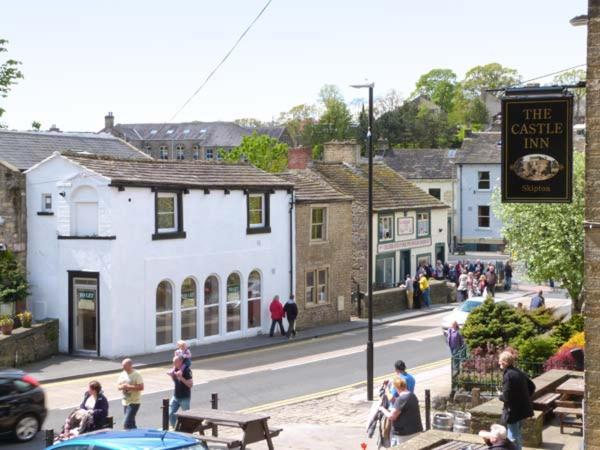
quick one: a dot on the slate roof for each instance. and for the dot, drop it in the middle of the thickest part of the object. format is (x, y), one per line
(208, 134)
(183, 174)
(481, 148)
(422, 163)
(24, 149)
(390, 190)
(312, 187)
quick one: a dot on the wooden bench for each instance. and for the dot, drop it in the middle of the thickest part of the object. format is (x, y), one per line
(546, 403)
(228, 442)
(566, 420)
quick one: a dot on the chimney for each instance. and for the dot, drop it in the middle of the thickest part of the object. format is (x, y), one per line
(54, 128)
(299, 157)
(341, 151)
(109, 121)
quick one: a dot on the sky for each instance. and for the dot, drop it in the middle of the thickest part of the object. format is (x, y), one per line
(142, 59)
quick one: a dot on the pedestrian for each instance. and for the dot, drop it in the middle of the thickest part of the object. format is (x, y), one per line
(496, 438)
(452, 274)
(290, 310)
(517, 390)
(481, 286)
(463, 289)
(471, 285)
(409, 291)
(182, 394)
(456, 343)
(404, 415)
(184, 351)
(424, 286)
(131, 384)
(520, 307)
(95, 401)
(417, 294)
(538, 301)
(439, 270)
(491, 280)
(276, 309)
(400, 368)
(508, 276)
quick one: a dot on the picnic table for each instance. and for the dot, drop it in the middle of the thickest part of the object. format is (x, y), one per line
(569, 410)
(573, 386)
(254, 427)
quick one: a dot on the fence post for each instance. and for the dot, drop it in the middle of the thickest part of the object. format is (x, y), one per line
(214, 404)
(475, 397)
(427, 409)
(49, 436)
(165, 414)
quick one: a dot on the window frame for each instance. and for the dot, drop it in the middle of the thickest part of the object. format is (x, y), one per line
(480, 180)
(166, 312)
(45, 207)
(180, 152)
(207, 152)
(265, 225)
(380, 218)
(169, 233)
(319, 285)
(438, 190)
(480, 216)
(323, 224)
(382, 257)
(250, 299)
(183, 309)
(428, 212)
(316, 287)
(163, 156)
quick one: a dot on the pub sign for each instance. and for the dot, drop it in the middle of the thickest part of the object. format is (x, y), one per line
(537, 148)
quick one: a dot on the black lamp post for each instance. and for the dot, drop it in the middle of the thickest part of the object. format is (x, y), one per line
(370, 86)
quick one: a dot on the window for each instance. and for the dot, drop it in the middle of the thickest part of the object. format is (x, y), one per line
(196, 154)
(258, 213)
(483, 216)
(211, 306)
(384, 271)
(147, 148)
(316, 289)
(47, 202)
(423, 224)
(163, 152)
(318, 224)
(437, 193)
(234, 301)
(168, 220)
(309, 289)
(219, 155)
(209, 154)
(254, 297)
(84, 212)
(424, 259)
(180, 155)
(483, 180)
(322, 286)
(386, 228)
(164, 313)
(188, 309)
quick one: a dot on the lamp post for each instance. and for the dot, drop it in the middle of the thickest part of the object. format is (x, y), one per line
(369, 86)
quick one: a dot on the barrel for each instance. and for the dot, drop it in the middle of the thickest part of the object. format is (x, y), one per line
(443, 421)
(462, 422)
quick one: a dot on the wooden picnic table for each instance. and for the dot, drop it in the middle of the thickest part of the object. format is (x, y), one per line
(255, 427)
(573, 386)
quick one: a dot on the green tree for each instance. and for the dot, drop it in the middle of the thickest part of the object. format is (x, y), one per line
(13, 281)
(299, 121)
(571, 77)
(36, 125)
(334, 121)
(262, 151)
(489, 76)
(439, 86)
(548, 237)
(9, 73)
(249, 122)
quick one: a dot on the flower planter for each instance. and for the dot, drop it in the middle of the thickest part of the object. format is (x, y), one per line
(6, 329)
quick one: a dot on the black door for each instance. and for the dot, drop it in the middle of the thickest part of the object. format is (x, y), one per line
(404, 264)
(440, 252)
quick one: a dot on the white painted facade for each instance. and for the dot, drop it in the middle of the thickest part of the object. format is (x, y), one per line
(130, 265)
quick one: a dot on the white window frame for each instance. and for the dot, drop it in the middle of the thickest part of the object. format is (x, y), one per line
(163, 152)
(322, 224)
(479, 180)
(180, 152)
(45, 206)
(480, 216)
(175, 228)
(262, 211)
(389, 218)
(320, 286)
(424, 216)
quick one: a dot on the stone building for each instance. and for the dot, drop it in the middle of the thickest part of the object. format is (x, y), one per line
(188, 140)
(323, 232)
(410, 225)
(13, 213)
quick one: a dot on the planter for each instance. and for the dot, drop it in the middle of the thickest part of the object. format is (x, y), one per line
(6, 329)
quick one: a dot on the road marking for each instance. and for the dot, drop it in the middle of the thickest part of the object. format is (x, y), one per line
(338, 390)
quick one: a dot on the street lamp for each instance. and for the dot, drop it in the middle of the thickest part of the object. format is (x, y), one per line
(369, 86)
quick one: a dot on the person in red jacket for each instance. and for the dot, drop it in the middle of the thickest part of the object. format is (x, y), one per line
(276, 309)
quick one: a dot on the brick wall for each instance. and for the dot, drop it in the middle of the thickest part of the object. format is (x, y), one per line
(592, 236)
(13, 232)
(332, 254)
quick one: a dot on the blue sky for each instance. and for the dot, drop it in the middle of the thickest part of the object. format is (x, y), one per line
(142, 59)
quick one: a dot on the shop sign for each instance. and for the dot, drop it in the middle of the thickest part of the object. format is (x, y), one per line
(537, 153)
(86, 300)
(401, 245)
(405, 226)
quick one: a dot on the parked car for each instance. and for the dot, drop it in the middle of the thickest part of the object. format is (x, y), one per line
(461, 312)
(22, 404)
(130, 440)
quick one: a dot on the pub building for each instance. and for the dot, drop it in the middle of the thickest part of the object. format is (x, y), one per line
(132, 256)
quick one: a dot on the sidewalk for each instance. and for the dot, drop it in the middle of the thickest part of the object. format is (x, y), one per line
(64, 367)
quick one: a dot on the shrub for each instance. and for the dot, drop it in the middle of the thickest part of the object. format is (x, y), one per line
(13, 281)
(534, 351)
(564, 330)
(544, 319)
(561, 360)
(576, 322)
(576, 341)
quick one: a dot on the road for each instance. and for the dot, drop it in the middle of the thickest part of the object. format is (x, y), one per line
(265, 376)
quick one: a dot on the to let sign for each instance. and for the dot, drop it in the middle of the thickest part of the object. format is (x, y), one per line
(537, 153)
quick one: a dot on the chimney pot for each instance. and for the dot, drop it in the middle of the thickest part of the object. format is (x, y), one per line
(299, 157)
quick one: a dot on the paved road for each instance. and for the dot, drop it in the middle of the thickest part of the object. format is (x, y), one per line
(268, 375)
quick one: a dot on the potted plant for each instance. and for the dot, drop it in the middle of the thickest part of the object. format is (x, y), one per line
(13, 283)
(6, 325)
(26, 318)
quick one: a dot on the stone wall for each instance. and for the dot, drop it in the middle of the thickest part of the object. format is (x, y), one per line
(13, 217)
(359, 246)
(332, 254)
(27, 345)
(341, 151)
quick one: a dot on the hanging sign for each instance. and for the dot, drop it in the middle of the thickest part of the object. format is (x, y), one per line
(537, 148)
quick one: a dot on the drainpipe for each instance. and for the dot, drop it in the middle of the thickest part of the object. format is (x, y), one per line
(460, 193)
(292, 202)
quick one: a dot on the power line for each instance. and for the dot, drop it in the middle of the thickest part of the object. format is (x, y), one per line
(550, 74)
(222, 60)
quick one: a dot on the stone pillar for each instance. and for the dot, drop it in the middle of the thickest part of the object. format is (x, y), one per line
(592, 234)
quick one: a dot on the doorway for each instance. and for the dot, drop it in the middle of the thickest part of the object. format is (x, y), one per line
(404, 264)
(84, 308)
(440, 253)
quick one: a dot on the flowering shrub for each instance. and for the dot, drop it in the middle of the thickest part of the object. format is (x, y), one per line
(561, 360)
(576, 341)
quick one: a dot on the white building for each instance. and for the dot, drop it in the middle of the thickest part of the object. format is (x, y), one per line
(131, 256)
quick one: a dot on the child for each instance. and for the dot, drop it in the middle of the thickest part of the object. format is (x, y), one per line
(183, 351)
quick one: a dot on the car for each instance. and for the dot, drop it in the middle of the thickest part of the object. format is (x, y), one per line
(461, 312)
(22, 404)
(141, 438)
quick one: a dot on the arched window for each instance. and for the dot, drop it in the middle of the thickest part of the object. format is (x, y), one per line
(234, 302)
(164, 313)
(84, 217)
(164, 152)
(180, 148)
(254, 296)
(211, 306)
(188, 309)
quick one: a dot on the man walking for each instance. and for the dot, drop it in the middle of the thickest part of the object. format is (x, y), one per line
(131, 384)
(290, 310)
(508, 276)
(456, 343)
(276, 309)
(424, 286)
(517, 390)
(182, 394)
(537, 301)
(400, 368)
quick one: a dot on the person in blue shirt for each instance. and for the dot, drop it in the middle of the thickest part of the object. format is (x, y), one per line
(401, 372)
(538, 301)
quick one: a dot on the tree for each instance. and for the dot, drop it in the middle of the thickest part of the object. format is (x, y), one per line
(249, 122)
(439, 86)
(13, 281)
(262, 151)
(36, 125)
(9, 73)
(548, 237)
(390, 101)
(299, 122)
(571, 77)
(489, 76)
(334, 121)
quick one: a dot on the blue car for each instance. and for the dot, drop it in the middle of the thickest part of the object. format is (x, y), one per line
(131, 439)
